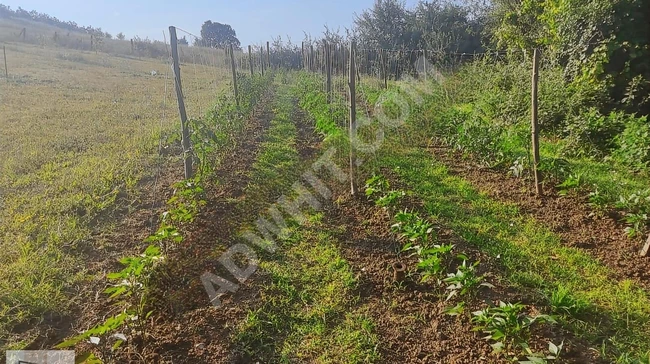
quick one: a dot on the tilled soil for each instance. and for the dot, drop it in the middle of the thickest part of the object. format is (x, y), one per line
(603, 237)
(187, 328)
(410, 318)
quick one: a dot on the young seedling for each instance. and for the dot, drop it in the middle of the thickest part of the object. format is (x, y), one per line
(132, 286)
(465, 280)
(506, 324)
(540, 358)
(103, 337)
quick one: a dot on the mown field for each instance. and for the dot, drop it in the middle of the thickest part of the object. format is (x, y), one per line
(81, 139)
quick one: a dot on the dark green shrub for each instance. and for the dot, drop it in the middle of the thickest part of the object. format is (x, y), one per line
(633, 144)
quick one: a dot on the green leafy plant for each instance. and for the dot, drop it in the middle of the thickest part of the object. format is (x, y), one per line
(506, 324)
(131, 287)
(103, 337)
(376, 184)
(637, 209)
(570, 183)
(633, 144)
(598, 201)
(457, 310)
(413, 229)
(391, 198)
(185, 202)
(465, 280)
(540, 358)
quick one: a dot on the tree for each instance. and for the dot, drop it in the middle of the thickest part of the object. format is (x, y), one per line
(385, 26)
(218, 35)
(120, 36)
(183, 41)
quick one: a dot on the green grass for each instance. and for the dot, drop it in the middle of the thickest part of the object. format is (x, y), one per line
(307, 309)
(277, 164)
(81, 131)
(532, 257)
(307, 312)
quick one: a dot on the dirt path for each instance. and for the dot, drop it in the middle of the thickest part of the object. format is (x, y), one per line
(187, 328)
(603, 237)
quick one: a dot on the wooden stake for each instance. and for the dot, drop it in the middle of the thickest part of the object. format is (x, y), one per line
(302, 56)
(262, 60)
(424, 53)
(646, 248)
(268, 55)
(250, 59)
(328, 66)
(4, 51)
(234, 75)
(383, 68)
(187, 149)
(353, 121)
(311, 58)
(535, 126)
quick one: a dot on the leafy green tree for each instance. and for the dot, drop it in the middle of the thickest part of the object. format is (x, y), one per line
(217, 35)
(602, 44)
(385, 26)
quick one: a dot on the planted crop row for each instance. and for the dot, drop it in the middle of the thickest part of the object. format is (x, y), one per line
(506, 324)
(129, 289)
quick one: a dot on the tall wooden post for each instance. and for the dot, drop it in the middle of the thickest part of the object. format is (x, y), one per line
(353, 122)
(250, 60)
(384, 70)
(328, 71)
(262, 60)
(302, 55)
(4, 52)
(234, 74)
(311, 57)
(424, 55)
(268, 55)
(187, 149)
(535, 126)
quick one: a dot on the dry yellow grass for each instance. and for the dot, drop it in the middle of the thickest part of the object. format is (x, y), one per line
(79, 129)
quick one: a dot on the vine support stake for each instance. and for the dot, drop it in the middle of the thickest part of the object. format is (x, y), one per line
(646, 248)
(187, 148)
(268, 55)
(328, 66)
(234, 75)
(535, 125)
(250, 60)
(353, 121)
(4, 52)
(262, 60)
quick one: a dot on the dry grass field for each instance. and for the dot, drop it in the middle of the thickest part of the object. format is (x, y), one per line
(80, 130)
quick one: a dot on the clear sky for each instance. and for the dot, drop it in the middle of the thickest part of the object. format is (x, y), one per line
(254, 21)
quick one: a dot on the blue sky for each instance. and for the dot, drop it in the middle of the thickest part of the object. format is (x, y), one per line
(254, 21)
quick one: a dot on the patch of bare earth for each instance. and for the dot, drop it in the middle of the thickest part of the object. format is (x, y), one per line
(578, 225)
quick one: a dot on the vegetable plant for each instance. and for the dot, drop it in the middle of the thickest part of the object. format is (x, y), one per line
(506, 324)
(465, 280)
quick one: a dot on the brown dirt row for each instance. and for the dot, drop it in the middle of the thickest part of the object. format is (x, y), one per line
(577, 224)
(410, 318)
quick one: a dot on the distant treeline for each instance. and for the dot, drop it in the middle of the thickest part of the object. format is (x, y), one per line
(20, 13)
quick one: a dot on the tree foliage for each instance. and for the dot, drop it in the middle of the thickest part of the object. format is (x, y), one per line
(601, 44)
(20, 13)
(217, 35)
